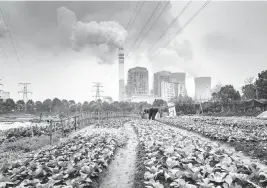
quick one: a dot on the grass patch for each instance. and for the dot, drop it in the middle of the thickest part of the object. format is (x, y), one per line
(20, 147)
(30, 144)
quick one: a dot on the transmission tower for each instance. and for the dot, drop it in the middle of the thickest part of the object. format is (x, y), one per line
(97, 91)
(25, 91)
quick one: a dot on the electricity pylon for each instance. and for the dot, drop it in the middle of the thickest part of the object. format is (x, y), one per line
(97, 85)
(25, 93)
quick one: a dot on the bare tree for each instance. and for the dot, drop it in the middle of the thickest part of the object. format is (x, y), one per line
(216, 88)
(249, 80)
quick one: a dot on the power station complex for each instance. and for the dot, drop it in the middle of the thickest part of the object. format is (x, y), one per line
(166, 85)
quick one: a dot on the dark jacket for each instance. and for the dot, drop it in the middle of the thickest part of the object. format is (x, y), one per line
(152, 113)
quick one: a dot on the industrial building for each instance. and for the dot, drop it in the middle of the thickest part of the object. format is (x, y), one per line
(4, 95)
(202, 88)
(177, 80)
(137, 82)
(121, 74)
(167, 90)
(142, 98)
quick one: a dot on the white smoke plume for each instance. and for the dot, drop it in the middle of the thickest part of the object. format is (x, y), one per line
(66, 21)
(103, 38)
(110, 33)
(183, 50)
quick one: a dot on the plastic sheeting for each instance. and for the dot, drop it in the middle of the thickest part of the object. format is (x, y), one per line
(263, 115)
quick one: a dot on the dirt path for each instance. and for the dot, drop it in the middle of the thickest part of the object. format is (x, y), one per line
(121, 170)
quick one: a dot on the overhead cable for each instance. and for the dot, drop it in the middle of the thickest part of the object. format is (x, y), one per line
(151, 16)
(180, 30)
(152, 25)
(170, 25)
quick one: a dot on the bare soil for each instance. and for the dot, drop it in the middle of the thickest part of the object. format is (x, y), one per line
(121, 171)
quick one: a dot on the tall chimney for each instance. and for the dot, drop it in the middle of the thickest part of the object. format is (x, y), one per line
(121, 74)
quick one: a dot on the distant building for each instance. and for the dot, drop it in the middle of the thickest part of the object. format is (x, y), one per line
(142, 98)
(137, 83)
(177, 79)
(203, 88)
(181, 90)
(167, 90)
(4, 95)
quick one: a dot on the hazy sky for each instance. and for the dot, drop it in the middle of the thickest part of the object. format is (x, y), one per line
(65, 46)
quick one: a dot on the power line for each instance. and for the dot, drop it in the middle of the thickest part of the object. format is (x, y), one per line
(10, 35)
(138, 8)
(155, 21)
(151, 16)
(134, 13)
(185, 25)
(4, 52)
(97, 85)
(174, 20)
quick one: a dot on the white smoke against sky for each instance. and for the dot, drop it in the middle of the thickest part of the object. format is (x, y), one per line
(110, 33)
(103, 38)
(66, 21)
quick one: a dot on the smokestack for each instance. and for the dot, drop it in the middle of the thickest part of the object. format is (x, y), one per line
(121, 74)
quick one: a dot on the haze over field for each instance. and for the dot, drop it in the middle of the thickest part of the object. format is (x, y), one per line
(63, 46)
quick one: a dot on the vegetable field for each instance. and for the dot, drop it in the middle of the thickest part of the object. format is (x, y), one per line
(76, 161)
(174, 158)
(127, 152)
(245, 134)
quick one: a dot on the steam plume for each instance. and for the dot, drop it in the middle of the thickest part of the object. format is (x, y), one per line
(110, 33)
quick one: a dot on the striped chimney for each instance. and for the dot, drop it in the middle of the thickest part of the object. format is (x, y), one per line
(121, 74)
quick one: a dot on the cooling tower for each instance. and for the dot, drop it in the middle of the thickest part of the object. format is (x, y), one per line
(202, 88)
(121, 74)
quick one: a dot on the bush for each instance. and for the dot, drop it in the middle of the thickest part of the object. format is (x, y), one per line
(186, 108)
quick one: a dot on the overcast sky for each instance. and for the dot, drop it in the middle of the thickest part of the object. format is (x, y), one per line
(65, 46)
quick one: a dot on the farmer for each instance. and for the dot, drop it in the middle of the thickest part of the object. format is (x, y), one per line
(152, 113)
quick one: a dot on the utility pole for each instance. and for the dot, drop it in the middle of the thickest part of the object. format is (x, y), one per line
(257, 93)
(25, 93)
(97, 85)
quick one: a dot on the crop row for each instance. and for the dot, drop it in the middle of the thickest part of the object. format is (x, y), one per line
(37, 129)
(219, 130)
(76, 162)
(240, 122)
(112, 123)
(34, 130)
(175, 158)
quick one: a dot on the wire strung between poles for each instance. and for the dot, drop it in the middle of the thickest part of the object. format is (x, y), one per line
(176, 34)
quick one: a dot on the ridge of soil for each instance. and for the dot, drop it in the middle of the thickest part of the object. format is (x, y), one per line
(121, 171)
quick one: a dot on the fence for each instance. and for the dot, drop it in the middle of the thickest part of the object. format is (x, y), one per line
(83, 119)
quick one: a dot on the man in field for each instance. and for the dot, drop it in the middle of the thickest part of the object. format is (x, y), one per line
(152, 113)
(155, 111)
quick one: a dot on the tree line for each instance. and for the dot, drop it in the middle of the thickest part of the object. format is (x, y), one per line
(226, 97)
(57, 106)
